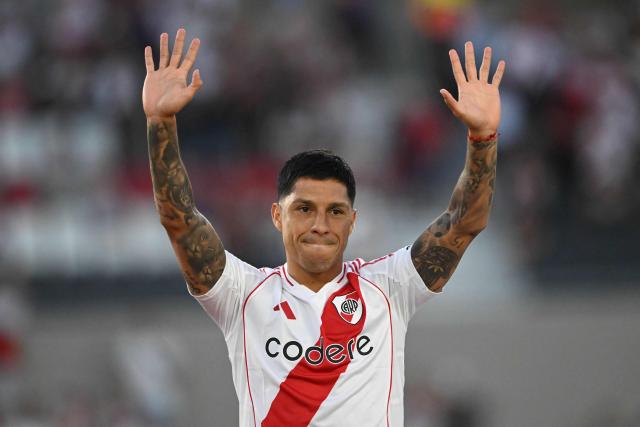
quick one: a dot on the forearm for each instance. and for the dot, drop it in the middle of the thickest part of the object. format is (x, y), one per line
(473, 194)
(437, 251)
(171, 186)
(197, 245)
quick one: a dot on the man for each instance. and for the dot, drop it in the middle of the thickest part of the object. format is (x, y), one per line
(317, 341)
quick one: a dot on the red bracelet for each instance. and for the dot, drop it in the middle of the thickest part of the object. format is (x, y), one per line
(482, 138)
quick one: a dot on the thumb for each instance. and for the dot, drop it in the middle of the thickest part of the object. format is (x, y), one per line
(450, 101)
(196, 82)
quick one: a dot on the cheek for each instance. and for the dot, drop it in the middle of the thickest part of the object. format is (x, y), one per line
(343, 228)
(292, 228)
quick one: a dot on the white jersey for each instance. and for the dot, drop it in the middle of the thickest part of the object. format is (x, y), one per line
(331, 358)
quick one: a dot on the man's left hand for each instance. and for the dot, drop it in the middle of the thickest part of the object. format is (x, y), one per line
(478, 104)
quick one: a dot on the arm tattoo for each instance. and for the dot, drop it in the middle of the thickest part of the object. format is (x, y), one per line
(438, 250)
(481, 145)
(441, 226)
(433, 263)
(472, 197)
(197, 245)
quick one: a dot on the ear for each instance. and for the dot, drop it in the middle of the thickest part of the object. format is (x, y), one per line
(276, 216)
(354, 215)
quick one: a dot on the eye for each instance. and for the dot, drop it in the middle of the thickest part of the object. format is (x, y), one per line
(336, 211)
(304, 209)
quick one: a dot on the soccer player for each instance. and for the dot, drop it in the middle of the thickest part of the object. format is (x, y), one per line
(317, 341)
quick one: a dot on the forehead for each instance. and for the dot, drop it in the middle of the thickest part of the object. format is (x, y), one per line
(319, 190)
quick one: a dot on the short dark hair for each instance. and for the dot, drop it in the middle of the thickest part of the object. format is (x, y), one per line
(316, 164)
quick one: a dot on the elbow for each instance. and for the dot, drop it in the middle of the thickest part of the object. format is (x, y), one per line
(175, 221)
(166, 224)
(168, 219)
(172, 224)
(482, 224)
(473, 223)
(474, 228)
(478, 229)
(479, 225)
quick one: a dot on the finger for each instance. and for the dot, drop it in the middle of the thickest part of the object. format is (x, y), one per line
(458, 74)
(450, 101)
(164, 50)
(190, 58)
(196, 82)
(486, 65)
(497, 76)
(177, 48)
(148, 59)
(470, 61)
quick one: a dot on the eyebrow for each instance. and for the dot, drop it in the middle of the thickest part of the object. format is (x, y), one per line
(310, 202)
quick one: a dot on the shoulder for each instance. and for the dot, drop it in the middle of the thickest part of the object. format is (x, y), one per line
(381, 264)
(245, 268)
(241, 277)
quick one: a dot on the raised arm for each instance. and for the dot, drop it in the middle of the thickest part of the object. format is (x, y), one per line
(438, 250)
(196, 244)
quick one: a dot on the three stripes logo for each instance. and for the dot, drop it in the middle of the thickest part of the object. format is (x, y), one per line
(286, 309)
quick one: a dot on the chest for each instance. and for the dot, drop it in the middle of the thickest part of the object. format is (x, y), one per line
(282, 330)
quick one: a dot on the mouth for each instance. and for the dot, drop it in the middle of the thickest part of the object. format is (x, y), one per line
(318, 244)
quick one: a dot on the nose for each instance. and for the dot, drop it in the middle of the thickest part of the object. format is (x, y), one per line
(320, 224)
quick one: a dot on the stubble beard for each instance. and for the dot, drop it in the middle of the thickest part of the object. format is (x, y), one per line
(316, 263)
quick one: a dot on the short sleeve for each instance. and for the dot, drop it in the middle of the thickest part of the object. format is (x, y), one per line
(398, 277)
(223, 302)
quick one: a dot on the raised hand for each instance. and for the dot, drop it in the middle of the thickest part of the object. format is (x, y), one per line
(165, 90)
(478, 104)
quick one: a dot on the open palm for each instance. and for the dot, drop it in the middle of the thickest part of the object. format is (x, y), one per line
(478, 104)
(165, 90)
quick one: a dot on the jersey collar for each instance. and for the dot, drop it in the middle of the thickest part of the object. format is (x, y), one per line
(302, 292)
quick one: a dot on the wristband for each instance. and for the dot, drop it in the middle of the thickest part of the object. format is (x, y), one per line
(482, 138)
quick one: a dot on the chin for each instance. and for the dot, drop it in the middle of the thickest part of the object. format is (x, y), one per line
(316, 263)
(317, 267)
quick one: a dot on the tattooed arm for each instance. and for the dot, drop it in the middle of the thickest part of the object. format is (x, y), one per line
(196, 244)
(438, 250)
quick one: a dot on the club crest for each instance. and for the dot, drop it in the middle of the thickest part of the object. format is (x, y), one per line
(349, 307)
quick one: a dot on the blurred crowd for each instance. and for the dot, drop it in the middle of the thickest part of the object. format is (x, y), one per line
(358, 77)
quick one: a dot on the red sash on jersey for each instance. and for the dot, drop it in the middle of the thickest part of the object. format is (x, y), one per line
(307, 386)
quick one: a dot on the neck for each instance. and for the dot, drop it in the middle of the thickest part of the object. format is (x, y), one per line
(313, 281)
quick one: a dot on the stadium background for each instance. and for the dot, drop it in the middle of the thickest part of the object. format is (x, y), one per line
(540, 325)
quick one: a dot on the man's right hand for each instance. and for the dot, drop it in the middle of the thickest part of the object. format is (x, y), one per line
(165, 90)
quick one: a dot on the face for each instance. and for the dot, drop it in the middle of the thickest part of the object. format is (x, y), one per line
(315, 220)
